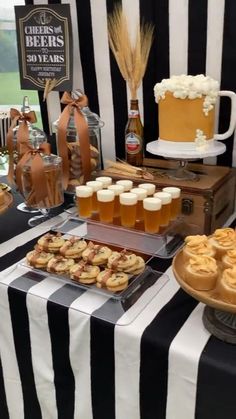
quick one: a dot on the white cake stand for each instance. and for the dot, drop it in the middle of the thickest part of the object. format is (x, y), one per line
(183, 154)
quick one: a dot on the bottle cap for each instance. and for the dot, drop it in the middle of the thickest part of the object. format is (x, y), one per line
(128, 184)
(106, 180)
(83, 191)
(128, 198)
(164, 197)
(152, 204)
(105, 195)
(150, 188)
(175, 192)
(117, 189)
(95, 185)
(141, 193)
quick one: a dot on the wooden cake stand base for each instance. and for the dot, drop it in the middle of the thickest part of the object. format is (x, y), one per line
(219, 317)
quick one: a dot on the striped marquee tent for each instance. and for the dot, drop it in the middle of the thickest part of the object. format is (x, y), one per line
(191, 37)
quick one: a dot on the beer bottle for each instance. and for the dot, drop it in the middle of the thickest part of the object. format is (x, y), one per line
(134, 136)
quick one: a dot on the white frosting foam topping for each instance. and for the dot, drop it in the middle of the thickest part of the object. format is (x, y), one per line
(83, 191)
(149, 187)
(128, 198)
(106, 180)
(128, 184)
(105, 195)
(189, 87)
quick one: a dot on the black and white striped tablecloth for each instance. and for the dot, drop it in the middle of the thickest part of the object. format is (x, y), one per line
(59, 360)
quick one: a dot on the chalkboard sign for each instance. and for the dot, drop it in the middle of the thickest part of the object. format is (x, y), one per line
(44, 39)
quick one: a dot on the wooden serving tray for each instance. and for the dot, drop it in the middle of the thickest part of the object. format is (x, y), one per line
(211, 298)
(8, 202)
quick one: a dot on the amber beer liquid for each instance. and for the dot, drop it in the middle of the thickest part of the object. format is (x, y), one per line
(84, 200)
(117, 189)
(134, 136)
(141, 194)
(128, 203)
(152, 214)
(165, 208)
(96, 186)
(176, 201)
(105, 205)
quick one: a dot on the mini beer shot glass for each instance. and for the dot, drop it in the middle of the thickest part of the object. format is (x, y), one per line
(149, 187)
(175, 203)
(128, 184)
(117, 189)
(106, 181)
(152, 214)
(83, 198)
(141, 194)
(165, 208)
(105, 199)
(96, 186)
(128, 206)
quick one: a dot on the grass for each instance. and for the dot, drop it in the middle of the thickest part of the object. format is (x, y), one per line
(11, 93)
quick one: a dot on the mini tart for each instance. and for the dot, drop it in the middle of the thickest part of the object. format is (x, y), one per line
(227, 285)
(201, 272)
(113, 281)
(96, 254)
(73, 248)
(222, 240)
(84, 273)
(137, 268)
(121, 261)
(60, 265)
(197, 246)
(51, 242)
(229, 259)
(38, 258)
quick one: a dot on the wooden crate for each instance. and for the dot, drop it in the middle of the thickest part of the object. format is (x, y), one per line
(206, 202)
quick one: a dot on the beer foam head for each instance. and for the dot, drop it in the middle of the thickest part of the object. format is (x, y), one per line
(152, 204)
(117, 189)
(95, 185)
(128, 198)
(140, 192)
(164, 197)
(83, 191)
(106, 180)
(150, 187)
(105, 195)
(175, 192)
(128, 184)
(189, 87)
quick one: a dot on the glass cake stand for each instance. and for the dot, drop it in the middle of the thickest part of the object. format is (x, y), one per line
(168, 150)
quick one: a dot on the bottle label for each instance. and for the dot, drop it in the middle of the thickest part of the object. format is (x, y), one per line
(133, 113)
(132, 143)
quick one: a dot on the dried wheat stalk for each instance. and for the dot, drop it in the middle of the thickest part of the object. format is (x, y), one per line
(122, 167)
(131, 59)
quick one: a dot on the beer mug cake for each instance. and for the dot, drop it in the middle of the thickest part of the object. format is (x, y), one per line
(186, 112)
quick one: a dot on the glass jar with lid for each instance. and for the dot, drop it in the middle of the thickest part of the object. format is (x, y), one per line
(32, 134)
(75, 149)
(42, 186)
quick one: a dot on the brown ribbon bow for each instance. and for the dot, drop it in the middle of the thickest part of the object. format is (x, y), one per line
(38, 179)
(22, 135)
(74, 107)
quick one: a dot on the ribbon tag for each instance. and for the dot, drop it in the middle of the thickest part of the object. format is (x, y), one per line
(21, 137)
(73, 107)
